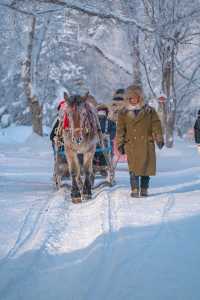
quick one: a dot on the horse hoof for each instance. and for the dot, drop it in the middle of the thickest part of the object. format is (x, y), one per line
(76, 200)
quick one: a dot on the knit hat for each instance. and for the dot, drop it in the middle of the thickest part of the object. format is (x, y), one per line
(118, 95)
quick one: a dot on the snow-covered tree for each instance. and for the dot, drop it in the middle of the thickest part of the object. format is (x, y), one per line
(100, 46)
(174, 24)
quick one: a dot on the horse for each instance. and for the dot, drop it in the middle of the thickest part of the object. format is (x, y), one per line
(81, 134)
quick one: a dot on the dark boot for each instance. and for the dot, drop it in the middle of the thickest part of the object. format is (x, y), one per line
(144, 192)
(135, 193)
(144, 186)
(134, 181)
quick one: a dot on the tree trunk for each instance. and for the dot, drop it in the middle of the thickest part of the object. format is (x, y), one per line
(162, 105)
(171, 102)
(137, 78)
(167, 91)
(170, 130)
(162, 115)
(36, 111)
(35, 107)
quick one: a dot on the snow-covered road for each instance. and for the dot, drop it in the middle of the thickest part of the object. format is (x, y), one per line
(113, 247)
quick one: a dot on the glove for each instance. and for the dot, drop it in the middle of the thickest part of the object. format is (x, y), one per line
(121, 149)
(160, 144)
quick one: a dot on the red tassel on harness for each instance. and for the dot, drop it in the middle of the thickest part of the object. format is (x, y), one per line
(65, 122)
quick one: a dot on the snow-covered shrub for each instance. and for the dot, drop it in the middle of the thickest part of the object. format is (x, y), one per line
(5, 120)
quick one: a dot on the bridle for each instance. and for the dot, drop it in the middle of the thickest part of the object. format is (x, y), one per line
(85, 126)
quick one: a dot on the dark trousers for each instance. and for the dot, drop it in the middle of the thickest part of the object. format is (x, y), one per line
(139, 181)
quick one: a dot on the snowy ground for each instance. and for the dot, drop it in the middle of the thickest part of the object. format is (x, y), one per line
(113, 247)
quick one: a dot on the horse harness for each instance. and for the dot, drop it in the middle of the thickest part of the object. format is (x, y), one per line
(88, 126)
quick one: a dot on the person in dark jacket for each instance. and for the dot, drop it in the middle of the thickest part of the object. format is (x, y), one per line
(197, 129)
(53, 130)
(60, 108)
(107, 126)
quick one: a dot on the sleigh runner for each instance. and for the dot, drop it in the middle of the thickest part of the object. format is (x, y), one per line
(103, 166)
(61, 168)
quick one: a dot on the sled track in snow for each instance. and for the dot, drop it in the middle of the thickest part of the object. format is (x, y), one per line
(163, 221)
(37, 218)
(42, 218)
(27, 232)
(143, 251)
(34, 219)
(60, 222)
(105, 188)
(61, 216)
(168, 208)
(108, 218)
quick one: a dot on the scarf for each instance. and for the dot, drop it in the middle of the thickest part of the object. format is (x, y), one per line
(134, 110)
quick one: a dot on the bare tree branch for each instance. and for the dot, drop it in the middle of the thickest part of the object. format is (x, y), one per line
(89, 10)
(147, 76)
(112, 61)
(92, 11)
(24, 12)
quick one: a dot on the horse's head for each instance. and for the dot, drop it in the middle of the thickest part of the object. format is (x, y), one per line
(78, 117)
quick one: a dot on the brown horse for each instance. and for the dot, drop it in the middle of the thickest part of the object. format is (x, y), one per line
(80, 137)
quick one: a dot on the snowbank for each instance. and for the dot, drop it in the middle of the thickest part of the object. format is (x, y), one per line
(15, 134)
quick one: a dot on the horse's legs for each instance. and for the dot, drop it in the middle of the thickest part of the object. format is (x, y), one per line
(87, 168)
(74, 169)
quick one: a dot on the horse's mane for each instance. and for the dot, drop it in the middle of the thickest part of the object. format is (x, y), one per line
(91, 120)
(91, 100)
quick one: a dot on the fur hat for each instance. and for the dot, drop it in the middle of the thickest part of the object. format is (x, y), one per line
(118, 95)
(133, 90)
